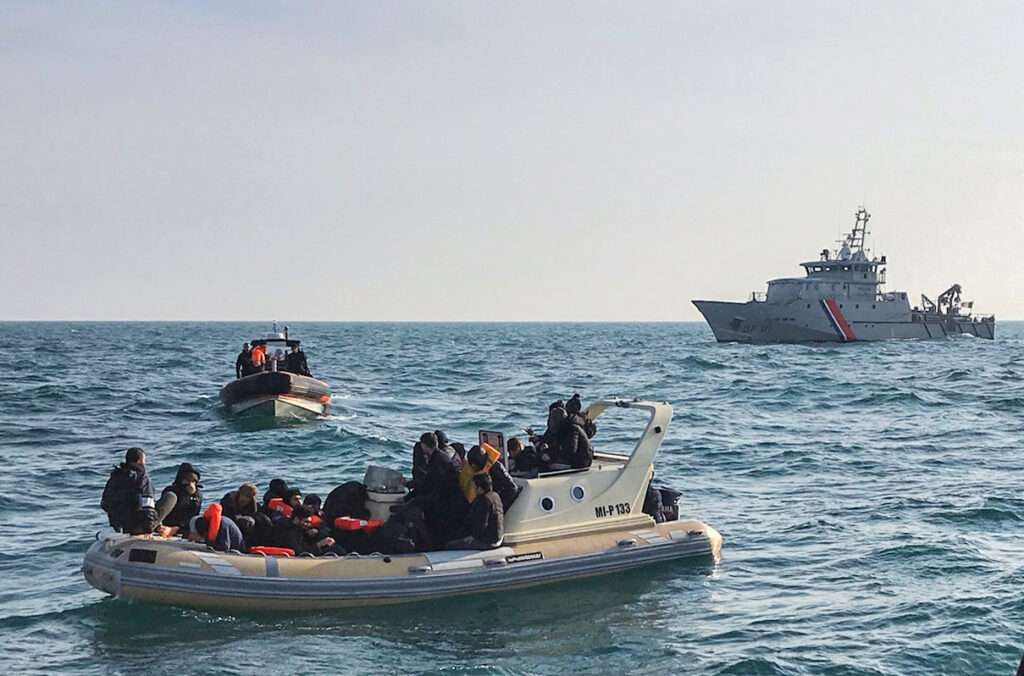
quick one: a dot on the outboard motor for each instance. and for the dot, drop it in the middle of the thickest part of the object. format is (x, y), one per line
(670, 503)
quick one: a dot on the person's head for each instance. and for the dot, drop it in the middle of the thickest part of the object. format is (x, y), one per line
(476, 458)
(136, 455)
(300, 514)
(513, 446)
(197, 529)
(483, 482)
(442, 438)
(278, 487)
(246, 494)
(429, 441)
(312, 502)
(295, 348)
(574, 405)
(556, 404)
(188, 477)
(293, 497)
(246, 347)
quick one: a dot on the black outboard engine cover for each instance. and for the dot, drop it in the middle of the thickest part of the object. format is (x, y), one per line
(670, 503)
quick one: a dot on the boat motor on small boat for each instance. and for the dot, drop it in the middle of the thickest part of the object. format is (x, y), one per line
(564, 525)
(273, 391)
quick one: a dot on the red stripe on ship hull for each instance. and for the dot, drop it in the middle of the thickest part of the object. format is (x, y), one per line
(837, 315)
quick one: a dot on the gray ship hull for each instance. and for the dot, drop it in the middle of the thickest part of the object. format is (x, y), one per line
(824, 321)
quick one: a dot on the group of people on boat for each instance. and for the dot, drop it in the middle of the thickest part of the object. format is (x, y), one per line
(564, 444)
(456, 498)
(255, 359)
(451, 508)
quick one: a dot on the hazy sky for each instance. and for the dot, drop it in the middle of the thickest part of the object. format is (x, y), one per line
(486, 161)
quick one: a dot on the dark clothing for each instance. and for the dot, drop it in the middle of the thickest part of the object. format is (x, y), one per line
(526, 461)
(419, 464)
(486, 520)
(228, 537)
(576, 448)
(128, 500)
(653, 505)
(295, 362)
(298, 538)
(503, 485)
(277, 489)
(229, 503)
(348, 499)
(186, 507)
(441, 498)
(243, 364)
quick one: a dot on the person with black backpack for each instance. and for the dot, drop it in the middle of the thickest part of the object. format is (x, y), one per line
(128, 496)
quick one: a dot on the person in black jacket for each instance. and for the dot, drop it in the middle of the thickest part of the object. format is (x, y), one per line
(298, 534)
(277, 489)
(243, 362)
(188, 503)
(295, 362)
(438, 494)
(128, 496)
(485, 519)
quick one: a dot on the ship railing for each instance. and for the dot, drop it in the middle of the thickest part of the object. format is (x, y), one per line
(757, 297)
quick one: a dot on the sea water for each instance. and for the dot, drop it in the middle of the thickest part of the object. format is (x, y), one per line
(869, 496)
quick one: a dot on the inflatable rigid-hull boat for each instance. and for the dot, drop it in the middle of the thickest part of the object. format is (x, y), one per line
(276, 394)
(172, 572)
(563, 525)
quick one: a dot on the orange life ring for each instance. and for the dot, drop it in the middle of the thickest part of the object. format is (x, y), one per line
(315, 521)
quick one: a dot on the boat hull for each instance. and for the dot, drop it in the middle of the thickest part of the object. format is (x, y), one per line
(174, 572)
(276, 394)
(809, 322)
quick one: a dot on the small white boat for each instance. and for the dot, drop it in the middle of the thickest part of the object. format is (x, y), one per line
(563, 525)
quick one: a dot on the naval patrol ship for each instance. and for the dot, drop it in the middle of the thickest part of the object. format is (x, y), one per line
(841, 300)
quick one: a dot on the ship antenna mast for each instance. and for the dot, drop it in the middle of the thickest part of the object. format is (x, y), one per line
(860, 230)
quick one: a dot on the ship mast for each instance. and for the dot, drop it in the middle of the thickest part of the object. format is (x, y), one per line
(855, 240)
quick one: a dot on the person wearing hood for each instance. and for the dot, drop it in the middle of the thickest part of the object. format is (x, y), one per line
(443, 444)
(278, 488)
(576, 448)
(187, 503)
(216, 530)
(128, 496)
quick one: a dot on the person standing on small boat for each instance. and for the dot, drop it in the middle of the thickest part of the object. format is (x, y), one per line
(243, 362)
(128, 496)
(295, 362)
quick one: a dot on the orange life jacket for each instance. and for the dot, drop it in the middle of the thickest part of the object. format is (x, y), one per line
(279, 505)
(467, 472)
(213, 515)
(259, 355)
